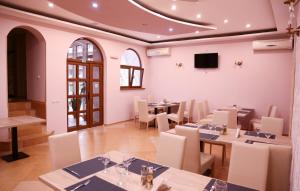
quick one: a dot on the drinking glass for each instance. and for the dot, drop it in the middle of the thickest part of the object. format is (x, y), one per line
(120, 170)
(127, 160)
(268, 135)
(220, 185)
(105, 161)
(257, 132)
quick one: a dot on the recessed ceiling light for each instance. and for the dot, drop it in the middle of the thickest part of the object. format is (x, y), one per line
(95, 5)
(171, 29)
(173, 7)
(50, 4)
(199, 16)
(197, 32)
(158, 36)
(248, 25)
(226, 21)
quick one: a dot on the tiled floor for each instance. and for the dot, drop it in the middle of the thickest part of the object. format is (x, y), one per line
(124, 137)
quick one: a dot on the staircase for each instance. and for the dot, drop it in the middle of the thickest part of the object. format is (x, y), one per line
(28, 135)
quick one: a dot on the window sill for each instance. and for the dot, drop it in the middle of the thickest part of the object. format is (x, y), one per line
(132, 88)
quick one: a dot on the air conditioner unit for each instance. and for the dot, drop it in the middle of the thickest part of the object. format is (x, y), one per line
(274, 44)
(158, 52)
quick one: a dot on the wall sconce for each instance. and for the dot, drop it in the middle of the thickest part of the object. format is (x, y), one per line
(179, 65)
(238, 62)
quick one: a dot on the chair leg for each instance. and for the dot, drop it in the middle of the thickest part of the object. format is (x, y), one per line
(210, 146)
(213, 169)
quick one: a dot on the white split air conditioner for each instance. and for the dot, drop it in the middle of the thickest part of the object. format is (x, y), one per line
(158, 52)
(274, 44)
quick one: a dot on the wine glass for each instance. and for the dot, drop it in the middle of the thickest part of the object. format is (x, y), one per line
(268, 135)
(105, 161)
(220, 185)
(257, 132)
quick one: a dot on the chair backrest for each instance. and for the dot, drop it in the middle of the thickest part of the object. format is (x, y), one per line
(191, 107)
(280, 160)
(272, 125)
(143, 110)
(150, 98)
(191, 159)
(243, 171)
(206, 108)
(166, 152)
(162, 122)
(180, 112)
(64, 149)
(200, 110)
(135, 104)
(268, 111)
(220, 117)
(273, 111)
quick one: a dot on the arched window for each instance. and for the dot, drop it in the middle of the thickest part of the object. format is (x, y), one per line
(131, 71)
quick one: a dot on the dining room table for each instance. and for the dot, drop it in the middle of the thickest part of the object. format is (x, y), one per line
(90, 176)
(13, 123)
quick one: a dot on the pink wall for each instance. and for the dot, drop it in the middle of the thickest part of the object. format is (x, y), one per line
(264, 78)
(295, 183)
(36, 68)
(118, 104)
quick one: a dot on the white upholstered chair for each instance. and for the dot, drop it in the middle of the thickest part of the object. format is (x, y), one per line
(136, 99)
(144, 115)
(170, 150)
(179, 116)
(244, 171)
(232, 118)
(64, 149)
(162, 122)
(272, 125)
(220, 117)
(271, 112)
(207, 112)
(194, 160)
(201, 117)
(280, 159)
(32, 186)
(189, 113)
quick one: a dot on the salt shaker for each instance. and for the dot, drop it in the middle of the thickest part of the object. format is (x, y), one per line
(144, 175)
(149, 183)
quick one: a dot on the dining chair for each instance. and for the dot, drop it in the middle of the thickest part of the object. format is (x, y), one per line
(135, 107)
(201, 118)
(244, 171)
(32, 186)
(166, 152)
(221, 117)
(271, 112)
(232, 118)
(144, 116)
(207, 112)
(194, 160)
(162, 122)
(280, 159)
(64, 149)
(179, 116)
(272, 125)
(189, 114)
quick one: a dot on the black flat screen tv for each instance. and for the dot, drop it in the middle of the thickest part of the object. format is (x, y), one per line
(207, 60)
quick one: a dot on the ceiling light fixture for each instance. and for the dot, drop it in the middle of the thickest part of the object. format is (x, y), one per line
(137, 4)
(173, 7)
(248, 25)
(292, 28)
(158, 36)
(198, 16)
(171, 29)
(226, 21)
(95, 5)
(50, 4)
(197, 32)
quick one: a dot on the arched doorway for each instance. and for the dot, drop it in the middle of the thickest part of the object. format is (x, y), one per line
(26, 72)
(84, 85)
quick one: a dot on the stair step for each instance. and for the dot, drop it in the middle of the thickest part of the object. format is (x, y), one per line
(21, 112)
(34, 139)
(15, 106)
(25, 130)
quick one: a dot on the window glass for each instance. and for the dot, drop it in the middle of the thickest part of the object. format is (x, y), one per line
(130, 58)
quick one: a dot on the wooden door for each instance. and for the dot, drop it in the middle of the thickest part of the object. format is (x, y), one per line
(84, 91)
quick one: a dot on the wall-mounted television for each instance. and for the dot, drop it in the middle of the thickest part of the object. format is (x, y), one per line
(207, 60)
